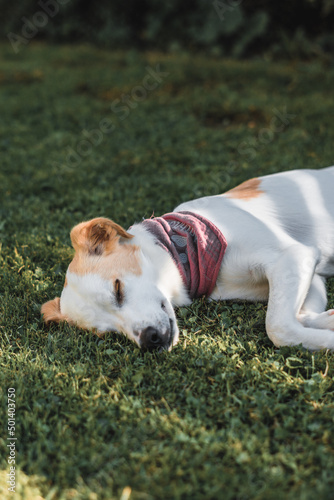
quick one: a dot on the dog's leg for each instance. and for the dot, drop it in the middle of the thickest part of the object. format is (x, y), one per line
(316, 299)
(313, 313)
(292, 283)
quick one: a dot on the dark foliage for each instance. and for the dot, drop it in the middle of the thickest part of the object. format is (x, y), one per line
(230, 27)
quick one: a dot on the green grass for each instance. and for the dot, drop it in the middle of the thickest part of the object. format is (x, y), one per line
(225, 414)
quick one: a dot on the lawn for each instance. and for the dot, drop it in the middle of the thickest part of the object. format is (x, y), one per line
(225, 415)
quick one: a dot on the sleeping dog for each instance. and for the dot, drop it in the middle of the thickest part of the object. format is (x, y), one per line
(269, 239)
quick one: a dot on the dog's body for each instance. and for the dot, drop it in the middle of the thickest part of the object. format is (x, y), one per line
(280, 247)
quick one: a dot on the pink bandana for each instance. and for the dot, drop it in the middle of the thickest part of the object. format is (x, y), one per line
(196, 246)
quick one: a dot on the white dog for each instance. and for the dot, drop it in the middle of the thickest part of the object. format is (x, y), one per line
(271, 238)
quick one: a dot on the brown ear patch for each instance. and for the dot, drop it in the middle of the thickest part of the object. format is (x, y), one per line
(97, 236)
(51, 311)
(246, 191)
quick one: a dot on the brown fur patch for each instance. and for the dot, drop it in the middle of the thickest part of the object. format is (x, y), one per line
(97, 236)
(246, 191)
(51, 311)
(99, 251)
(123, 259)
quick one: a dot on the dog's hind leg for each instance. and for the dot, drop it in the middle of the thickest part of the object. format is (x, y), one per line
(316, 299)
(293, 286)
(313, 313)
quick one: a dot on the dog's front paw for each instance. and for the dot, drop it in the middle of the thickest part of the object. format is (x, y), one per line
(324, 320)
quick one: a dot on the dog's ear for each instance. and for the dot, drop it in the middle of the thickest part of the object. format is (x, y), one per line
(97, 236)
(51, 311)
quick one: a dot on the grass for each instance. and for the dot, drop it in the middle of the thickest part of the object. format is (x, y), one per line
(225, 414)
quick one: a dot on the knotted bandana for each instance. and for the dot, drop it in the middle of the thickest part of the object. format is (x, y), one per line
(196, 245)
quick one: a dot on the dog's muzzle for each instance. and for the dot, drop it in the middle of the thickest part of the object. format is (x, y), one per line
(151, 339)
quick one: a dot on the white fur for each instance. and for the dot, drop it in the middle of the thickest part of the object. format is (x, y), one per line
(280, 249)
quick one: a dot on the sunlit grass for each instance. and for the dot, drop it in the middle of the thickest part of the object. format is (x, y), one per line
(225, 414)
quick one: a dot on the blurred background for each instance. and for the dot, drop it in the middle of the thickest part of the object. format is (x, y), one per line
(299, 28)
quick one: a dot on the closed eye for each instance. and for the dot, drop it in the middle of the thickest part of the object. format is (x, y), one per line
(118, 291)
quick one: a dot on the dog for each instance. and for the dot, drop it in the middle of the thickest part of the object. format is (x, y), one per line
(269, 239)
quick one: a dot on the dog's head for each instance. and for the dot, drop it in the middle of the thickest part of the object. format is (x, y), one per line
(111, 286)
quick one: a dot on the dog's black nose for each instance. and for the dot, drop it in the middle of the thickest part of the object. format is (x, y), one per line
(152, 339)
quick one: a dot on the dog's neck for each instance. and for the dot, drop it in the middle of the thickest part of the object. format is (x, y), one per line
(195, 246)
(167, 275)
